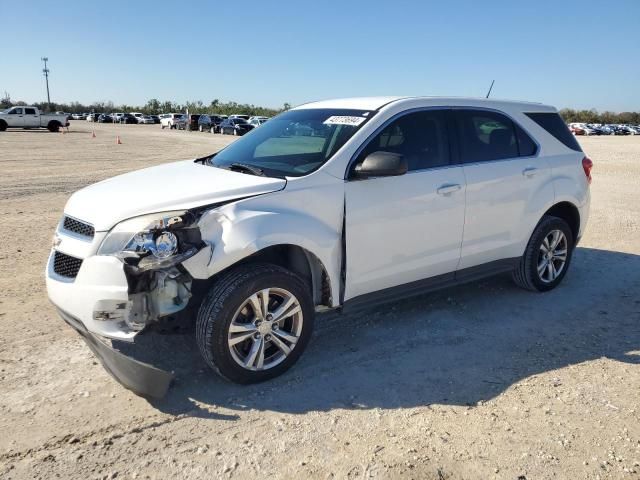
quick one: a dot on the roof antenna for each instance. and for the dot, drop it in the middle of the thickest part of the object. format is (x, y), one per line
(490, 88)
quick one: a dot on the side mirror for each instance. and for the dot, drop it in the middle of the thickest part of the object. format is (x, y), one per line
(381, 164)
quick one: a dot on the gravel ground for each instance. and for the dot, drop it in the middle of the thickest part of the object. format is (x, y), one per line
(477, 382)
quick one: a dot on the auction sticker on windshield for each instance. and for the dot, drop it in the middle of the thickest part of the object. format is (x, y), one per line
(344, 120)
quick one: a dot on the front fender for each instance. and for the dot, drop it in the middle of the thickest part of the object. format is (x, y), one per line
(237, 231)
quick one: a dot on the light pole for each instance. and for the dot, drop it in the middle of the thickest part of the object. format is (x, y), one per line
(45, 70)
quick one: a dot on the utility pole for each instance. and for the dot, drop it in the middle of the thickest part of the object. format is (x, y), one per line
(45, 70)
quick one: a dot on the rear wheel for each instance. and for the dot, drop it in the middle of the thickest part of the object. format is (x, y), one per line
(255, 323)
(3, 125)
(53, 126)
(546, 260)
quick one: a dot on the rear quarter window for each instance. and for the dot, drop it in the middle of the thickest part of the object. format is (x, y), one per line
(553, 123)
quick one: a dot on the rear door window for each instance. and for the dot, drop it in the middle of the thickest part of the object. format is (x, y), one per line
(485, 136)
(30, 111)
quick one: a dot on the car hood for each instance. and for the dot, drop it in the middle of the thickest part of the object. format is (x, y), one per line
(172, 186)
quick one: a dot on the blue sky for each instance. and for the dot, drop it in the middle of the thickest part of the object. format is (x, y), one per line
(579, 54)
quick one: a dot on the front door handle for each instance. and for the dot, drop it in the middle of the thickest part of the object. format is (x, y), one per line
(448, 188)
(530, 172)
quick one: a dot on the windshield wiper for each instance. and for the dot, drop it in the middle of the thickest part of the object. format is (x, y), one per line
(243, 167)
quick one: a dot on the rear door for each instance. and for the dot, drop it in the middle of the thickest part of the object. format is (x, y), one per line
(405, 228)
(506, 181)
(31, 118)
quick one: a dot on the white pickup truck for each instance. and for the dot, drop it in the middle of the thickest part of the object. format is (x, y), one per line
(31, 117)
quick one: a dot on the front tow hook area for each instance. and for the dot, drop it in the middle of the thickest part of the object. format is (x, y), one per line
(141, 378)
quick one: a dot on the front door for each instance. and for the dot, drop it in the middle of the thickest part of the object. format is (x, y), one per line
(15, 117)
(405, 228)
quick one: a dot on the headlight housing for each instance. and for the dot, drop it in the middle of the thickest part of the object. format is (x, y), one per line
(154, 241)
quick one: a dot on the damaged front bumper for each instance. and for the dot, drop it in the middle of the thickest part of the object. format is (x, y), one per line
(141, 378)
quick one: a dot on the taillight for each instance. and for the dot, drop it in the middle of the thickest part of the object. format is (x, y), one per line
(587, 165)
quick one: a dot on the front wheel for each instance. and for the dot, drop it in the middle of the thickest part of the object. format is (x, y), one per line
(255, 323)
(546, 260)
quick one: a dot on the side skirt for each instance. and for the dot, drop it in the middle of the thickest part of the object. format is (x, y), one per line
(432, 284)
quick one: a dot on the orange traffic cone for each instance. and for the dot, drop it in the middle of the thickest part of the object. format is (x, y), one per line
(93, 134)
(118, 142)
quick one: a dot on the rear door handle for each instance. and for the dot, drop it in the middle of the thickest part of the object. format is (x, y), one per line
(530, 172)
(448, 188)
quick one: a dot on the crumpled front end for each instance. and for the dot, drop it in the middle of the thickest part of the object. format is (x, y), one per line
(109, 295)
(141, 378)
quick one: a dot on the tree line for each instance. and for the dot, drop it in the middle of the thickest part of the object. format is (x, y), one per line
(152, 107)
(570, 115)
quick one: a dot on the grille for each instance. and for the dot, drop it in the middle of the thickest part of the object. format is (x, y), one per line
(76, 226)
(66, 265)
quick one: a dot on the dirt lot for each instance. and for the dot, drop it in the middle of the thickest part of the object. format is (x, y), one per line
(482, 381)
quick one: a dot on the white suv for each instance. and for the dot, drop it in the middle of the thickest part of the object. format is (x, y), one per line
(335, 204)
(169, 120)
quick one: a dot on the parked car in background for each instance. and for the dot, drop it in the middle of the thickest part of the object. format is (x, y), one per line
(209, 123)
(257, 121)
(244, 117)
(78, 116)
(155, 118)
(146, 119)
(168, 120)
(137, 115)
(31, 117)
(105, 118)
(127, 118)
(187, 122)
(235, 126)
(623, 130)
(580, 129)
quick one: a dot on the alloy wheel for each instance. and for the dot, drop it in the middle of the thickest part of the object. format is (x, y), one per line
(552, 256)
(265, 329)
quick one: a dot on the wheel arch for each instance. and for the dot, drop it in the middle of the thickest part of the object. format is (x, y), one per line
(568, 212)
(294, 258)
(301, 262)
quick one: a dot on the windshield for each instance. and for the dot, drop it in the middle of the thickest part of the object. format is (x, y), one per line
(294, 143)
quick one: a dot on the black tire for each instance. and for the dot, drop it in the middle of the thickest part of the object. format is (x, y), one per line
(3, 125)
(221, 303)
(526, 273)
(53, 126)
